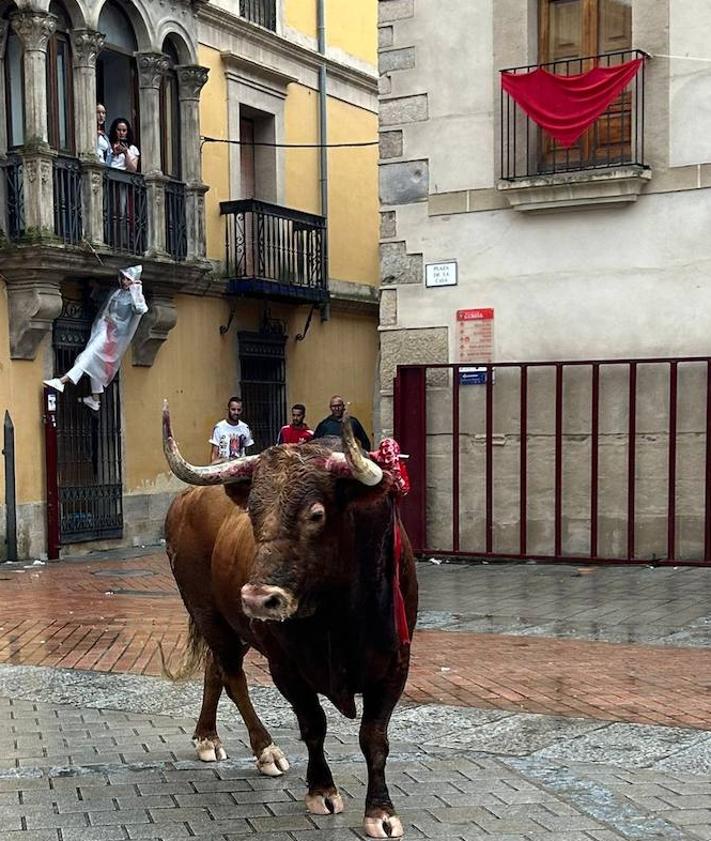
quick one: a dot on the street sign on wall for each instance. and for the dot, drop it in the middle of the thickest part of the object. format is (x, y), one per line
(441, 274)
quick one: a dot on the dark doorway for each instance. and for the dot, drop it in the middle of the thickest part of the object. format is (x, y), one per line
(88, 445)
(263, 384)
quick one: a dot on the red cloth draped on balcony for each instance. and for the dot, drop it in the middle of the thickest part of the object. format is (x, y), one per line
(565, 106)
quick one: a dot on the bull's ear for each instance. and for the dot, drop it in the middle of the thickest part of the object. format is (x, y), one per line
(238, 492)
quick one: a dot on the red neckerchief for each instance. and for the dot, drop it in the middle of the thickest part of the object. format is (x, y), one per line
(388, 457)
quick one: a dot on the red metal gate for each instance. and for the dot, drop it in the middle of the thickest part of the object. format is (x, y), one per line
(597, 460)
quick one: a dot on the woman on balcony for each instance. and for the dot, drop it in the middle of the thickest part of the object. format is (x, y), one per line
(123, 154)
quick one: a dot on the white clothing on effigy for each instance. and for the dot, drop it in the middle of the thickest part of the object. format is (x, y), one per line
(111, 334)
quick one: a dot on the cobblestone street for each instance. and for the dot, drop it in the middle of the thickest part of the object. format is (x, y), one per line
(557, 703)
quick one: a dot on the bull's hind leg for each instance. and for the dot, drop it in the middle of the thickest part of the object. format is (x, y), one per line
(207, 743)
(379, 700)
(322, 798)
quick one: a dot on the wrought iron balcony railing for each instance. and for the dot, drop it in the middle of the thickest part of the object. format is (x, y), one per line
(125, 211)
(262, 12)
(14, 197)
(176, 232)
(67, 199)
(615, 139)
(275, 252)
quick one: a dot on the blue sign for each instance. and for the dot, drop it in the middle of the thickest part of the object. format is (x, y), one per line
(472, 376)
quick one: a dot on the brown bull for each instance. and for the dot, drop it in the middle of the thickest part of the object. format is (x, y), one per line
(295, 557)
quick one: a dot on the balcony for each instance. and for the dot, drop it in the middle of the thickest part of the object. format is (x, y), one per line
(66, 174)
(605, 166)
(262, 12)
(274, 252)
(125, 212)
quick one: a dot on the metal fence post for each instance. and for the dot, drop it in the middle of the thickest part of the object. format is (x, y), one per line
(8, 452)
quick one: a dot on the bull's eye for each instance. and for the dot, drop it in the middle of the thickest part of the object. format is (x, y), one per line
(317, 513)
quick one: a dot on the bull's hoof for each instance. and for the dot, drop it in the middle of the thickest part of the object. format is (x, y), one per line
(209, 750)
(324, 802)
(382, 825)
(271, 762)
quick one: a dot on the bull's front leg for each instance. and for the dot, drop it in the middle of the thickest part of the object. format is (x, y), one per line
(322, 797)
(379, 700)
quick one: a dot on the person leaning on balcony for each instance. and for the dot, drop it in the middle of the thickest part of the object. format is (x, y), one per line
(123, 154)
(111, 334)
(102, 141)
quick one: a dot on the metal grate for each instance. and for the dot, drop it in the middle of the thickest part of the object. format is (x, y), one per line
(262, 12)
(176, 234)
(15, 197)
(67, 199)
(615, 139)
(263, 385)
(88, 447)
(125, 211)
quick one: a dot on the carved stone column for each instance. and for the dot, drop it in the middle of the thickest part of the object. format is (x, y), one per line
(33, 303)
(155, 199)
(34, 30)
(86, 45)
(92, 186)
(151, 67)
(154, 327)
(38, 191)
(191, 80)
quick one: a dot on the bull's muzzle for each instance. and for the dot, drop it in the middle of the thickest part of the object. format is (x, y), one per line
(262, 601)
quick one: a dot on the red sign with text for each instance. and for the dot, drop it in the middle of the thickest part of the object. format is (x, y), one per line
(475, 335)
(482, 314)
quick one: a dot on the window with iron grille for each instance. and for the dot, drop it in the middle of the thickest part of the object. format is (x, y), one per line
(262, 12)
(262, 361)
(89, 465)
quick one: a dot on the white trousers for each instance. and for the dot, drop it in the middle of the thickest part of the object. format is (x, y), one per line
(76, 373)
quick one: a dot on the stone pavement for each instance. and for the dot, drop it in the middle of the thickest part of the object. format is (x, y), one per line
(529, 638)
(92, 747)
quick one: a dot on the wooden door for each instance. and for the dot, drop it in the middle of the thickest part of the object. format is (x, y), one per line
(248, 188)
(247, 170)
(572, 32)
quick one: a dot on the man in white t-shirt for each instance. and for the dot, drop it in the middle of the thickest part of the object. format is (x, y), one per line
(231, 436)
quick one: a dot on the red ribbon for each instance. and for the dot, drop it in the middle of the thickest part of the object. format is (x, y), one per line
(403, 631)
(388, 457)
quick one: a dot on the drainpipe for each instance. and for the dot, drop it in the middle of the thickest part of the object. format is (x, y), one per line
(323, 123)
(10, 499)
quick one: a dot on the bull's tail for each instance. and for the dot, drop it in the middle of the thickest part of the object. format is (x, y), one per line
(193, 656)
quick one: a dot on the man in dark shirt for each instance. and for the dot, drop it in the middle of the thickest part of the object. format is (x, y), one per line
(333, 424)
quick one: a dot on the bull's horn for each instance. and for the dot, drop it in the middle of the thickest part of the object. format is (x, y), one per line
(361, 467)
(222, 473)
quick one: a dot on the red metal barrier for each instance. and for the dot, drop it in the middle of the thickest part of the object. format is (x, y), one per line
(651, 429)
(411, 433)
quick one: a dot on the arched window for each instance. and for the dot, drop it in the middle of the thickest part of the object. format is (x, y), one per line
(170, 114)
(14, 87)
(116, 75)
(60, 95)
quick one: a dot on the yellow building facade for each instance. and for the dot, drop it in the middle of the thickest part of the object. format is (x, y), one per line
(273, 297)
